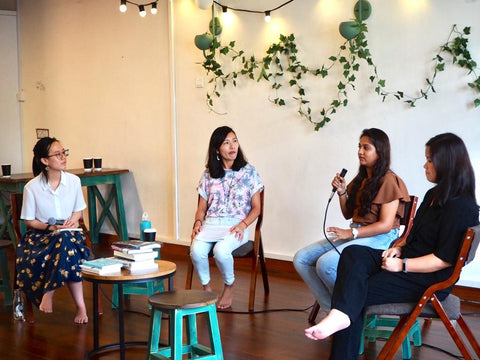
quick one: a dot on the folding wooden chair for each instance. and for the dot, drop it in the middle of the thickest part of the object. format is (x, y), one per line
(252, 249)
(406, 221)
(429, 306)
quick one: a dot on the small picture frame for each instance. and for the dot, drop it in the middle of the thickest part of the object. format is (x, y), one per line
(41, 133)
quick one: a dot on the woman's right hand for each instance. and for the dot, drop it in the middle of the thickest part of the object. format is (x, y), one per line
(392, 252)
(197, 227)
(339, 183)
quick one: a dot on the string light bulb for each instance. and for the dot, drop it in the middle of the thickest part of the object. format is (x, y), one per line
(141, 9)
(153, 10)
(123, 6)
(227, 16)
(267, 16)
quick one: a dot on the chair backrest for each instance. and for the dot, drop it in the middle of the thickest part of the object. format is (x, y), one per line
(466, 254)
(407, 220)
(16, 206)
(474, 245)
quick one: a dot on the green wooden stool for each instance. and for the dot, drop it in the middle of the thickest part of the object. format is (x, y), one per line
(178, 304)
(5, 279)
(374, 327)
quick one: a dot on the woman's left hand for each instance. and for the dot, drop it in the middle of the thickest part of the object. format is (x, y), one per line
(341, 234)
(392, 264)
(238, 230)
(68, 224)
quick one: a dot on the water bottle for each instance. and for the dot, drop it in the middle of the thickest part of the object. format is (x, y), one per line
(18, 306)
(145, 224)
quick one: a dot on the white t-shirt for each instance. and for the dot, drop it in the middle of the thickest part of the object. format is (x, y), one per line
(42, 203)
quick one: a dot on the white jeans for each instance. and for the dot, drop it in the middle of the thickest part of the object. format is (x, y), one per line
(222, 249)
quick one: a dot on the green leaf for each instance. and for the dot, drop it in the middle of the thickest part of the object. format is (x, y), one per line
(440, 67)
(332, 58)
(281, 102)
(341, 85)
(476, 102)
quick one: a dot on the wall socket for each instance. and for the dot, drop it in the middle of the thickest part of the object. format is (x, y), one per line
(199, 82)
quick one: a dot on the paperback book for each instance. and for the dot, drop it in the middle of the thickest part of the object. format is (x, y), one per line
(136, 257)
(137, 244)
(102, 266)
(131, 265)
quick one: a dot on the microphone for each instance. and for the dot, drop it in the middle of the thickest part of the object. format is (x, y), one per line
(334, 189)
(52, 221)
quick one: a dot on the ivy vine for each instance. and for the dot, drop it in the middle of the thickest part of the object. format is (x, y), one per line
(282, 67)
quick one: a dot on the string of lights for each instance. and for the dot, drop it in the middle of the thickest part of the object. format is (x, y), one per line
(141, 7)
(267, 13)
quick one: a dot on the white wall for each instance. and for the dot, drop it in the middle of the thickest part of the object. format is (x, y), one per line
(100, 80)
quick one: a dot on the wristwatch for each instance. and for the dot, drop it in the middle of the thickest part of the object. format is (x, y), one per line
(405, 265)
(354, 233)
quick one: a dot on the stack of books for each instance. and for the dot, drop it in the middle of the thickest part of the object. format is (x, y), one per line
(136, 255)
(102, 266)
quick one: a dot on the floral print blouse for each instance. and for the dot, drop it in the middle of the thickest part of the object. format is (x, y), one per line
(231, 195)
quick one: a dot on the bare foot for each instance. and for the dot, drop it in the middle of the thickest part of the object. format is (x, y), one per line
(47, 302)
(226, 299)
(208, 287)
(333, 322)
(81, 316)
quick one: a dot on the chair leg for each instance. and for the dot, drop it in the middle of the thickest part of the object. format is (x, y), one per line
(314, 312)
(469, 335)
(253, 284)
(188, 281)
(263, 266)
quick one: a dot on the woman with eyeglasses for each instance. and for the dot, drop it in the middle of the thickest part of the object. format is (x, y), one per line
(47, 257)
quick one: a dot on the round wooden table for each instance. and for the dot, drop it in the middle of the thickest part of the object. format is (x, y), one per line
(166, 270)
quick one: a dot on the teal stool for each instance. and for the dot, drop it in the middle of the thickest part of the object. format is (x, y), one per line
(5, 279)
(148, 288)
(179, 304)
(374, 327)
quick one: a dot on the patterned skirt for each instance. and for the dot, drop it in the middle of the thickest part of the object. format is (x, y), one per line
(46, 261)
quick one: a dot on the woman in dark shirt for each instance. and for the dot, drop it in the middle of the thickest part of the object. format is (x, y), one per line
(367, 276)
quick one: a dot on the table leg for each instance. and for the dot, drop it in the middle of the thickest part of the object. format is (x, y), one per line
(121, 332)
(122, 222)
(95, 316)
(92, 214)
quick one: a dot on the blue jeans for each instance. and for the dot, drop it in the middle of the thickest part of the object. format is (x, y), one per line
(222, 250)
(317, 263)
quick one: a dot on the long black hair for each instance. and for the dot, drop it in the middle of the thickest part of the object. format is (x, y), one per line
(214, 162)
(40, 150)
(455, 176)
(381, 143)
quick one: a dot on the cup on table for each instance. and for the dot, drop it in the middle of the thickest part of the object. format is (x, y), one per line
(87, 164)
(149, 234)
(97, 164)
(6, 170)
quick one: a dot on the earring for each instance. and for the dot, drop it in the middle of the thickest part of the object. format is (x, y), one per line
(218, 158)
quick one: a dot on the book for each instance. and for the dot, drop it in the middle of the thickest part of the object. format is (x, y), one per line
(102, 266)
(99, 271)
(137, 244)
(58, 231)
(103, 263)
(127, 250)
(131, 265)
(136, 257)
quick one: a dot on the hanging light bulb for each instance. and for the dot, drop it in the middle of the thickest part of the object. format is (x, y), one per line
(142, 11)
(153, 10)
(267, 16)
(123, 5)
(227, 16)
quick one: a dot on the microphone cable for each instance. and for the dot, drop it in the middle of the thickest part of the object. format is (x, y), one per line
(324, 222)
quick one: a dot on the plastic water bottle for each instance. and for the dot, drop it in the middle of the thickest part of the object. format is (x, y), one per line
(145, 224)
(18, 306)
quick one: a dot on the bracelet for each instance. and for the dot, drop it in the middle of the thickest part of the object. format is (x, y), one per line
(342, 193)
(48, 227)
(243, 221)
(405, 265)
(354, 233)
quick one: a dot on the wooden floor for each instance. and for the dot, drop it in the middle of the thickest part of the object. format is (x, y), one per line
(274, 332)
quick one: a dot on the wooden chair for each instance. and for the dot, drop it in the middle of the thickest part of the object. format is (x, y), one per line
(252, 249)
(406, 221)
(429, 306)
(16, 206)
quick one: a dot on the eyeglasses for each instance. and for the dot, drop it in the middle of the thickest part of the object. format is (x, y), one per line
(60, 155)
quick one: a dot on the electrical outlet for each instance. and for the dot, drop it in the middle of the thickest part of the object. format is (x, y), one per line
(41, 133)
(200, 82)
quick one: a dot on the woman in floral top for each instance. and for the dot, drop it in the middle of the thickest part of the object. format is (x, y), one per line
(229, 202)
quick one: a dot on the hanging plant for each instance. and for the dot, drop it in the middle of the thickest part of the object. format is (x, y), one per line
(281, 67)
